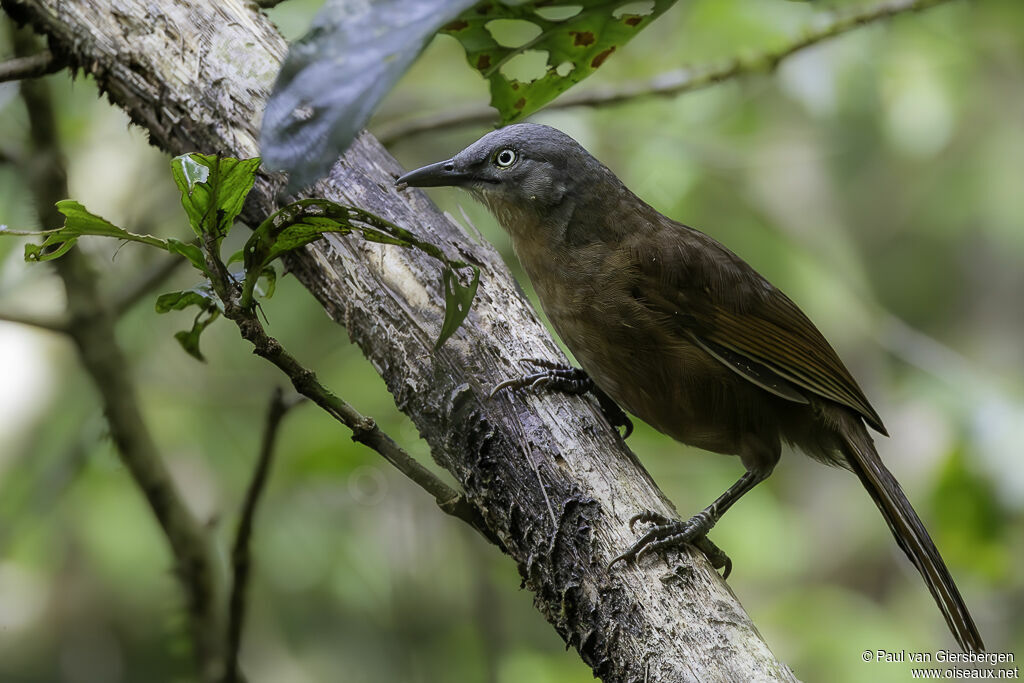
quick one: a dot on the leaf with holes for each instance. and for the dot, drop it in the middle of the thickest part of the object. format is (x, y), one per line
(567, 40)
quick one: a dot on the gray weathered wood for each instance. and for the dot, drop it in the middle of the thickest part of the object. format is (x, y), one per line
(550, 477)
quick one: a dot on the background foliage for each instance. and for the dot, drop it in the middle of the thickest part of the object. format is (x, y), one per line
(877, 179)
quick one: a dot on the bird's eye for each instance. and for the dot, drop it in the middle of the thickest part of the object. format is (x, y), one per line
(505, 158)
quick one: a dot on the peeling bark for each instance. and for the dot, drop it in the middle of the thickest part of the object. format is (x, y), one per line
(549, 476)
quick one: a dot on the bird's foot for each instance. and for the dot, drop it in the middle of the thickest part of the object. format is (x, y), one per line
(554, 377)
(668, 533)
(568, 380)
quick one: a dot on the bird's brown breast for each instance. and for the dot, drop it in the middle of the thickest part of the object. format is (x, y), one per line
(590, 295)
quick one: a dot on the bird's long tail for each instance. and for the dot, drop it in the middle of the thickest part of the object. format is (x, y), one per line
(912, 537)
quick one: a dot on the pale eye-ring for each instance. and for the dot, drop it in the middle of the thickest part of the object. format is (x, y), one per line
(505, 158)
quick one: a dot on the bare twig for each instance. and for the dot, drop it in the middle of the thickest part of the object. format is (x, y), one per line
(30, 66)
(241, 557)
(364, 429)
(91, 327)
(146, 283)
(48, 323)
(671, 83)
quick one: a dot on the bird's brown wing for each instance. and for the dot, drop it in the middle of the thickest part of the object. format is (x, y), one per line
(726, 307)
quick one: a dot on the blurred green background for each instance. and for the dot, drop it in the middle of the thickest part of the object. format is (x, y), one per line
(878, 179)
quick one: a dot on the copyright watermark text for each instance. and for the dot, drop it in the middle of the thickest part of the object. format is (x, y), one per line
(965, 665)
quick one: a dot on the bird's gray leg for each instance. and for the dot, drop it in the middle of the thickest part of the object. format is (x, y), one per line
(568, 380)
(671, 534)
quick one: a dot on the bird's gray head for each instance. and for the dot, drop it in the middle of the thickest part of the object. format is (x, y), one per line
(520, 172)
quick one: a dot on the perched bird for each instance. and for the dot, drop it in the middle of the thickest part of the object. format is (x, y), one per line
(681, 332)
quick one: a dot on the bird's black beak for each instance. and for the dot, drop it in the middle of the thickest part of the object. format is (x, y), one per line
(435, 175)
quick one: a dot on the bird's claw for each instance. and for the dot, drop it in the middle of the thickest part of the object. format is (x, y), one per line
(568, 380)
(667, 534)
(648, 517)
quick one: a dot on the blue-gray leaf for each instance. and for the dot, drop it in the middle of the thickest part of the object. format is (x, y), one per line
(335, 75)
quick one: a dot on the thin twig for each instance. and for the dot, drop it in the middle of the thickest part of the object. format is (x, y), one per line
(364, 429)
(241, 557)
(146, 283)
(32, 66)
(49, 323)
(668, 84)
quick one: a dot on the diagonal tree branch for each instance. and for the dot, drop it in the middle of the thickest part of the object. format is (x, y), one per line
(670, 83)
(550, 478)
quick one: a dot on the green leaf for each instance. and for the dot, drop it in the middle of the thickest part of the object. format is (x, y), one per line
(570, 46)
(190, 171)
(334, 77)
(189, 339)
(50, 249)
(79, 221)
(457, 301)
(201, 296)
(307, 220)
(190, 251)
(213, 189)
(291, 227)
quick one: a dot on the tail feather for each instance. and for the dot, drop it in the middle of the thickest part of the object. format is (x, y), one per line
(913, 538)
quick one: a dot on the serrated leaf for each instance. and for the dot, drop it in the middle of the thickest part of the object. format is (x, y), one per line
(575, 46)
(83, 222)
(336, 75)
(213, 189)
(457, 301)
(79, 221)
